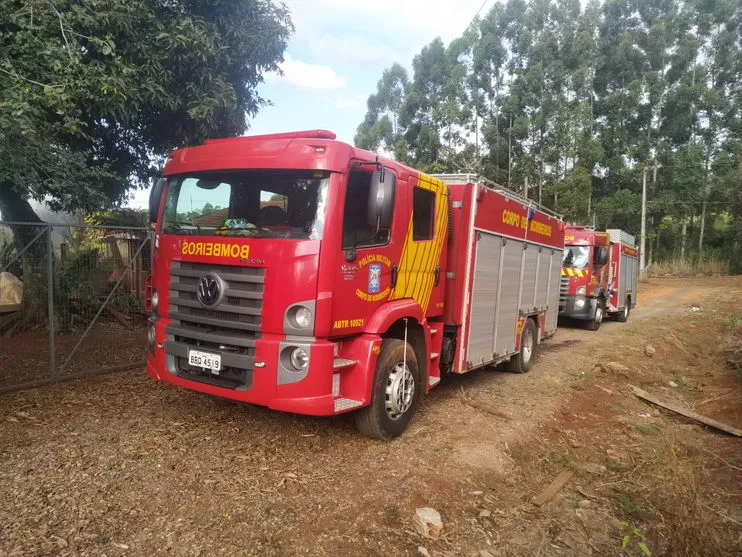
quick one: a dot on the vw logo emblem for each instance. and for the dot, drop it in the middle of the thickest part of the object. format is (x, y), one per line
(209, 290)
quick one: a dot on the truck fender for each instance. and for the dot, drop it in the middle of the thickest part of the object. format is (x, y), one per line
(386, 315)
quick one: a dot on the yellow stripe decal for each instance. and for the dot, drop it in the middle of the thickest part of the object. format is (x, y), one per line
(419, 259)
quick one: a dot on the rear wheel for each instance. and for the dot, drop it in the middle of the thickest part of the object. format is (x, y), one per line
(523, 360)
(623, 315)
(395, 394)
(594, 323)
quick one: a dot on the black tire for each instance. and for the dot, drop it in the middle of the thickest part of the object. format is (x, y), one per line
(594, 323)
(382, 419)
(523, 361)
(623, 315)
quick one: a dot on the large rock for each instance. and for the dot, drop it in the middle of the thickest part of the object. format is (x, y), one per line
(11, 292)
(428, 522)
(616, 369)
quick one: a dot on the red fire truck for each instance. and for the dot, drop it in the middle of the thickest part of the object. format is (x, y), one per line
(297, 272)
(600, 271)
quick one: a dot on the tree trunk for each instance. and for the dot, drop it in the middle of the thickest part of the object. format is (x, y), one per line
(702, 228)
(15, 208)
(510, 147)
(539, 192)
(34, 261)
(737, 219)
(683, 233)
(657, 248)
(590, 198)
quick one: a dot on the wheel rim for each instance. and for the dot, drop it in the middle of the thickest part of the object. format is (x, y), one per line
(527, 348)
(598, 314)
(400, 391)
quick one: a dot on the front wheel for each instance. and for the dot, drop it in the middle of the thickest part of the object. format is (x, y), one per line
(523, 360)
(395, 393)
(594, 323)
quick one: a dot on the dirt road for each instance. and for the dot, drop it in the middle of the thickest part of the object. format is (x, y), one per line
(123, 466)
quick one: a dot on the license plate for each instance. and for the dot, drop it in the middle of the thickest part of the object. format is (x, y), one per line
(205, 360)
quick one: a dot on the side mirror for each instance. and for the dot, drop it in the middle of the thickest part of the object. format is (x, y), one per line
(381, 199)
(154, 199)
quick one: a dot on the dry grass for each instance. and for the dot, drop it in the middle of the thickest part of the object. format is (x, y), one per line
(667, 495)
(684, 267)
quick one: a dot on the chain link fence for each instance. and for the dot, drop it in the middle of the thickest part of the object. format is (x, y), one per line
(72, 301)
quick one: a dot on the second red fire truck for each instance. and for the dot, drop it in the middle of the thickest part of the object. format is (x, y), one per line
(600, 271)
(297, 272)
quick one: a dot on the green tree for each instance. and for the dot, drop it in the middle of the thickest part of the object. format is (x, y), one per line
(576, 99)
(381, 129)
(93, 94)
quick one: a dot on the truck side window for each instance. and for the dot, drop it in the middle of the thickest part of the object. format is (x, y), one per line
(356, 230)
(423, 214)
(600, 256)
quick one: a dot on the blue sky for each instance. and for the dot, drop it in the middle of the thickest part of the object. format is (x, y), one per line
(337, 54)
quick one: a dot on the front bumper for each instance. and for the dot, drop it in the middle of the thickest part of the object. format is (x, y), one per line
(338, 377)
(570, 308)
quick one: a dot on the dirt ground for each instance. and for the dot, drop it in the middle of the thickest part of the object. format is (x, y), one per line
(109, 344)
(120, 465)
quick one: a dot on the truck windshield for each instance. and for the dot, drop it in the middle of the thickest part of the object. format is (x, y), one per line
(576, 256)
(257, 204)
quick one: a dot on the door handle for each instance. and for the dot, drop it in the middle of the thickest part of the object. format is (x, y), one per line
(395, 275)
(437, 275)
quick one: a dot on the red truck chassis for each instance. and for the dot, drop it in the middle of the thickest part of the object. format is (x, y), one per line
(600, 273)
(297, 272)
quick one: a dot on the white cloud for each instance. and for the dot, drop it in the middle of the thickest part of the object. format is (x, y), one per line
(412, 21)
(307, 76)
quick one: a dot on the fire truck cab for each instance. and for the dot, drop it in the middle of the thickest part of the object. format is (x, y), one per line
(297, 272)
(599, 275)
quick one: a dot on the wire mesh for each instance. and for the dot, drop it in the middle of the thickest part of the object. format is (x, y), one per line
(81, 307)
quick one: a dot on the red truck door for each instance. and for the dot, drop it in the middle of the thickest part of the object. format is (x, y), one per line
(369, 259)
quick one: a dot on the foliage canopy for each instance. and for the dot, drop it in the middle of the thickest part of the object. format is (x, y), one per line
(568, 102)
(94, 93)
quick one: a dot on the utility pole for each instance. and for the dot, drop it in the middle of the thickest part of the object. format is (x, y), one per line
(643, 237)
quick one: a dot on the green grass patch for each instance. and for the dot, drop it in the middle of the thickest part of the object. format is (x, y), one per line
(734, 322)
(646, 429)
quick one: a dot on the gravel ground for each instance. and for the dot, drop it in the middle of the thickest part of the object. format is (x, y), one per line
(121, 465)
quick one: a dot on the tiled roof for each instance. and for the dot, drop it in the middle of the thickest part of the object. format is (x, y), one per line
(217, 218)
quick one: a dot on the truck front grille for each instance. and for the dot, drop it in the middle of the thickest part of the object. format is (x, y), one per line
(230, 328)
(563, 289)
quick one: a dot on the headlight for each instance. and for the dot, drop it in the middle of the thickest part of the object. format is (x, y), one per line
(299, 358)
(155, 301)
(301, 316)
(581, 291)
(580, 303)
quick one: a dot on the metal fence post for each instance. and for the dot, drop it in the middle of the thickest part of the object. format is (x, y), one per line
(50, 300)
